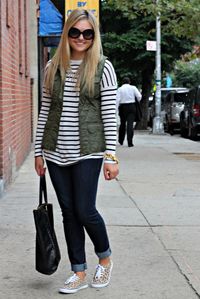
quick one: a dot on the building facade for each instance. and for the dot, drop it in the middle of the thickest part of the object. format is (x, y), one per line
(16, 96)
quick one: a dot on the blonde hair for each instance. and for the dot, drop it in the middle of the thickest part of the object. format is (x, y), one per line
(62, 56)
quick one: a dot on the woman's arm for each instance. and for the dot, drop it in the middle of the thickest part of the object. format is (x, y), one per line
(108, 113)
(39, 161)
(46, 101)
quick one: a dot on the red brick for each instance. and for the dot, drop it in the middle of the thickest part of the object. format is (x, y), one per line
(15, 89)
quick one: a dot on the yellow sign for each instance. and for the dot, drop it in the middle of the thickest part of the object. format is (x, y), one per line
(91, 5)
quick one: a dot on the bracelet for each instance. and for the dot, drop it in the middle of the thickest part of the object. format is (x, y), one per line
(112, 157)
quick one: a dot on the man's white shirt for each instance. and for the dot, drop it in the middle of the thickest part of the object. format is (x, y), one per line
(128, 94)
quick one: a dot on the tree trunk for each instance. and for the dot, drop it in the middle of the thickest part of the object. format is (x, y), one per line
(146, 93)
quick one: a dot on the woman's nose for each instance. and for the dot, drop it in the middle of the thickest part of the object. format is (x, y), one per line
(81, 36)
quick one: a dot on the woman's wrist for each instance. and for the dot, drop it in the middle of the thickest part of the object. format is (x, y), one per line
(110, 158)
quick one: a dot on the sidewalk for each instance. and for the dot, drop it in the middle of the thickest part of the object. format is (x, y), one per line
(152, 212)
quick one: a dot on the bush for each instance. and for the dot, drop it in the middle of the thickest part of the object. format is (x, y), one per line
(187, 74)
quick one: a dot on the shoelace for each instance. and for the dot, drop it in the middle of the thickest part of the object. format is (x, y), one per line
(73, 278)
(99, 271)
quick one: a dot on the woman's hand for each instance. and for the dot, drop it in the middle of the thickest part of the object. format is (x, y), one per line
(110, 170)
(39, 166)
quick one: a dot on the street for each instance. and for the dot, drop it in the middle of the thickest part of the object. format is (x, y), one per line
(152, 214)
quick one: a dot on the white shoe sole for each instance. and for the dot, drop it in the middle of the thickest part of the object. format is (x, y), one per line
(93, 285)
(100, 285)
(72, 291)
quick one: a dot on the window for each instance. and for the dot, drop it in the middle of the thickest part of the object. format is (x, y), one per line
(25, 40)
(8, 13)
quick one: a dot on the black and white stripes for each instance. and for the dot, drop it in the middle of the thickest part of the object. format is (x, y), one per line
(68, 143)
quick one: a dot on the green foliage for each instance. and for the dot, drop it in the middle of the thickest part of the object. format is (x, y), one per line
(127, 25)
(124, 42)
(181, 17)
(187, 73)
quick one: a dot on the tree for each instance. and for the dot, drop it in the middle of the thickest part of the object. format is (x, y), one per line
(124, 42)
(181, 17)
(187, 74)
(187, 70)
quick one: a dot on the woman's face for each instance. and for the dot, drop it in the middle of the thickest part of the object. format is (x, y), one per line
(79, 44)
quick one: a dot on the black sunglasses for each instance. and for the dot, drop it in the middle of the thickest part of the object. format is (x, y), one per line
(88, 34)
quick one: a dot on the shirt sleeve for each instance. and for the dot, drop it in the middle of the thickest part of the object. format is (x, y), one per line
(108, 107)
(44, 111)
(118, 98)
(137, 94)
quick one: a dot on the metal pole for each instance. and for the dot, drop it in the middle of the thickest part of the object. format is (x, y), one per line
(157, 121)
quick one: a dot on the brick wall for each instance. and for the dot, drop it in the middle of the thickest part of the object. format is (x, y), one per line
(15, 90)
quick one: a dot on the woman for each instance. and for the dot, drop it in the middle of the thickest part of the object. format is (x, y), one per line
(76, 132)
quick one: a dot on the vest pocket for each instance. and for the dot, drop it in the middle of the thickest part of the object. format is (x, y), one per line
(96, 137)
(93, 139)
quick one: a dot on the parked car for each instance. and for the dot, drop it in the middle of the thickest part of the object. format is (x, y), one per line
(173, 105)
(190, 116)
(151, 109)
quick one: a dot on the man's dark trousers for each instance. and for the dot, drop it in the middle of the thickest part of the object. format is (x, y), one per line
(127, 117)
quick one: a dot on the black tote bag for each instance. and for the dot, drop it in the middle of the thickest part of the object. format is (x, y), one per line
(47, 252)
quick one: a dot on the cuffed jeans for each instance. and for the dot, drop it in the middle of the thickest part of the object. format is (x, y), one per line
(76, 188)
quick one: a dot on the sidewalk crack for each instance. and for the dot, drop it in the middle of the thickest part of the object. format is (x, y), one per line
(133, 201)
(175, 262)
(159, 239)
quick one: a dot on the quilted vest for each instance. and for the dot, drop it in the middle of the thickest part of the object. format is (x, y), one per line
(91, 131)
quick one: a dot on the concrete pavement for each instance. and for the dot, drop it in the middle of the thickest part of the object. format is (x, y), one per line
(152, 212)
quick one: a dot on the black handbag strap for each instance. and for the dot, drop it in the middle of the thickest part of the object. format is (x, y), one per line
(43, 190)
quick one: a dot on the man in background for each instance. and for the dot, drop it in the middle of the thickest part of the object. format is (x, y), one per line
(126, 97)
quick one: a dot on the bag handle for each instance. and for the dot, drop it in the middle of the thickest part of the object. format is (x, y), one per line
(43, 190)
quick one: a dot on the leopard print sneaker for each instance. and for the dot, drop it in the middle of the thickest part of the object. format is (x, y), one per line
(73, 285)
(102, 276)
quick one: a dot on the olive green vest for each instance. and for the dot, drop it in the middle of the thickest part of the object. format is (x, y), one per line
(91, 129)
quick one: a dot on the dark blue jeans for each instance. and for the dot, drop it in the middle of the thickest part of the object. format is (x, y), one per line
(76, 188)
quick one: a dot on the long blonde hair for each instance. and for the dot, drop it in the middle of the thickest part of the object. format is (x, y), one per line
(62, 56)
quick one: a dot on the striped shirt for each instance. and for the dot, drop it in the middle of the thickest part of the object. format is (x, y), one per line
(68, 143)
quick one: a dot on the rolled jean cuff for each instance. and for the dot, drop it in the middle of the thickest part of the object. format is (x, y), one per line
(79, 267)
(104, 254)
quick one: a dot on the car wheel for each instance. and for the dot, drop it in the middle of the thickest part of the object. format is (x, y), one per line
(167, 126)
(192, 133)
(151, 122)
(183, 130)
(171, 129)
